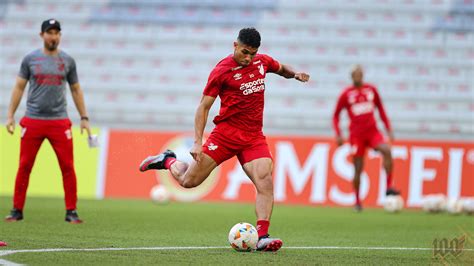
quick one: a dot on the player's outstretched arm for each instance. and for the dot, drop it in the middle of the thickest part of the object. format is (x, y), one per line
(200, 121)
(287, 72)
(78, 97)
(17, 93)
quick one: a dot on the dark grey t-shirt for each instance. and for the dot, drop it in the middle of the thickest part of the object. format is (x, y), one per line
(47, 76)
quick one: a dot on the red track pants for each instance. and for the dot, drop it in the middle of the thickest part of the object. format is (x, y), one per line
(58, 132)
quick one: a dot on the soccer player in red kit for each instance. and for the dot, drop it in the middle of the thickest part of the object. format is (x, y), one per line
(239, 80)
(360, 101)
(47, 71)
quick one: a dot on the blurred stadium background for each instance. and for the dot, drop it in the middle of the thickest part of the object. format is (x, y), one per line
(143, 65)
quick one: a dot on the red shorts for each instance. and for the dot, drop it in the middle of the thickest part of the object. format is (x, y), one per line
(227, 141)
(360, 143)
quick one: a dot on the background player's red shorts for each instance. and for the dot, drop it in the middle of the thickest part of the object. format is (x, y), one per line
(360, 143)
(227, 141)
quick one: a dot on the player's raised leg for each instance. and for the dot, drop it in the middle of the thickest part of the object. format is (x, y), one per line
(194, 174)
(385, 150)
(187, 175)
(260, 172)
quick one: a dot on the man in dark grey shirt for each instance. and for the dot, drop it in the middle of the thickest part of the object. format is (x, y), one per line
(47, 71)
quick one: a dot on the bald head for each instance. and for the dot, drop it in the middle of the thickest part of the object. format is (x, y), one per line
(357, 75)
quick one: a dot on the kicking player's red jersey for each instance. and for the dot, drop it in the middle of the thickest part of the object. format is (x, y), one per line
(241, 90)
(360, 104)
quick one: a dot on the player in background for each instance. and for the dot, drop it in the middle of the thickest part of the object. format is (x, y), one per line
(46, 70)
(239, 81)
(360, 101)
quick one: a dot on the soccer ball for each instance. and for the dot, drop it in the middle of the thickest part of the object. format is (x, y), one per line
(243, 237)
(434, 203)
(468, 205)
(159, 194)
(393, 203)
(454, 206)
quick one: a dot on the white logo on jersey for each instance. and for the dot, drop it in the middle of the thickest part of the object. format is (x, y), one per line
(252, 86)
(351, 99)
(212, 146)
(237, 76)
(261, 70)
(251, 75)
(370, 96)
(362, 108)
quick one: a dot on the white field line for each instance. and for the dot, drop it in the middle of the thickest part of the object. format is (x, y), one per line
(13, 251)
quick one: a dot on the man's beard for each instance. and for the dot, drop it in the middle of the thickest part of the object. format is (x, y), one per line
(51, 46)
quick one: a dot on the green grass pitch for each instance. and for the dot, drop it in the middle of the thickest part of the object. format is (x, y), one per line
(137, 223)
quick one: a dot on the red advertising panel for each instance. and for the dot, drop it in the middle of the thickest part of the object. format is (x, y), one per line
(307, 170)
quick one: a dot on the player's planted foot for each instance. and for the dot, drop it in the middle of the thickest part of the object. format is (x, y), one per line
(15, 216)
(392, 192)
(358, 207)
(156, 162)
(72, 217)
(3, 244)
(266, 243)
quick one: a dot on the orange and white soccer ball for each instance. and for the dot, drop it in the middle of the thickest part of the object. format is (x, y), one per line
(243, 237)
(468, 205)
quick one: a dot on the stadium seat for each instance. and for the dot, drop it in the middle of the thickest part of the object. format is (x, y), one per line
(128, 50)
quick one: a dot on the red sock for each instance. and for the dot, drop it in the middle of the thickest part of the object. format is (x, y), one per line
(389, 180)
(262, 227)
(169, 161)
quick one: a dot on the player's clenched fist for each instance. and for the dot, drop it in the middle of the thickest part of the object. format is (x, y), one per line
(303, 77)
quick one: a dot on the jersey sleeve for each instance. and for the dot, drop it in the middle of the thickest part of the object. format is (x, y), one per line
(380, 107)
(72, 73)
(214, 84)
(273, 65)
(25, 68)
(341, 103)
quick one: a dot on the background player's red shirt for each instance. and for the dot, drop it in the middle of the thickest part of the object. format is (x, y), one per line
(360, 104)
(241, 90)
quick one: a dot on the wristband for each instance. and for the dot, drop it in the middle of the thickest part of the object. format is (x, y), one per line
(84, 118)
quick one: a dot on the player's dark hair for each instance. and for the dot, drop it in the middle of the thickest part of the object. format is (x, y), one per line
(249, 37)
